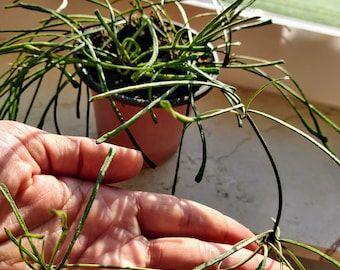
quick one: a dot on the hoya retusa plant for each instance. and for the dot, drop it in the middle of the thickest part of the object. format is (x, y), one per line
(64, 43)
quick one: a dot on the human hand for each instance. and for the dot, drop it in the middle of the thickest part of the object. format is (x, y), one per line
(45, 171)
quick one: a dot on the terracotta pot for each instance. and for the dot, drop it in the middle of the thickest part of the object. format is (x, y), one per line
(159, 141)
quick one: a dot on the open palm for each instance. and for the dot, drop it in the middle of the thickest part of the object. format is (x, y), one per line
(45, 171)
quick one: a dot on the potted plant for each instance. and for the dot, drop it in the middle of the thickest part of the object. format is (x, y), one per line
(139, 45)
(138, 59)
(68, 43)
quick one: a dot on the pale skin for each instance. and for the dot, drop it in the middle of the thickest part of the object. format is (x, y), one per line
(45, 171)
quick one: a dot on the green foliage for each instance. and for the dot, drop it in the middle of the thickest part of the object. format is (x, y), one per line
(60, 38)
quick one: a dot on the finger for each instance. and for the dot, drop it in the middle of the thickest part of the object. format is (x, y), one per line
(74, 156)
(185, 253)
(186, 218)
(83, 158)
